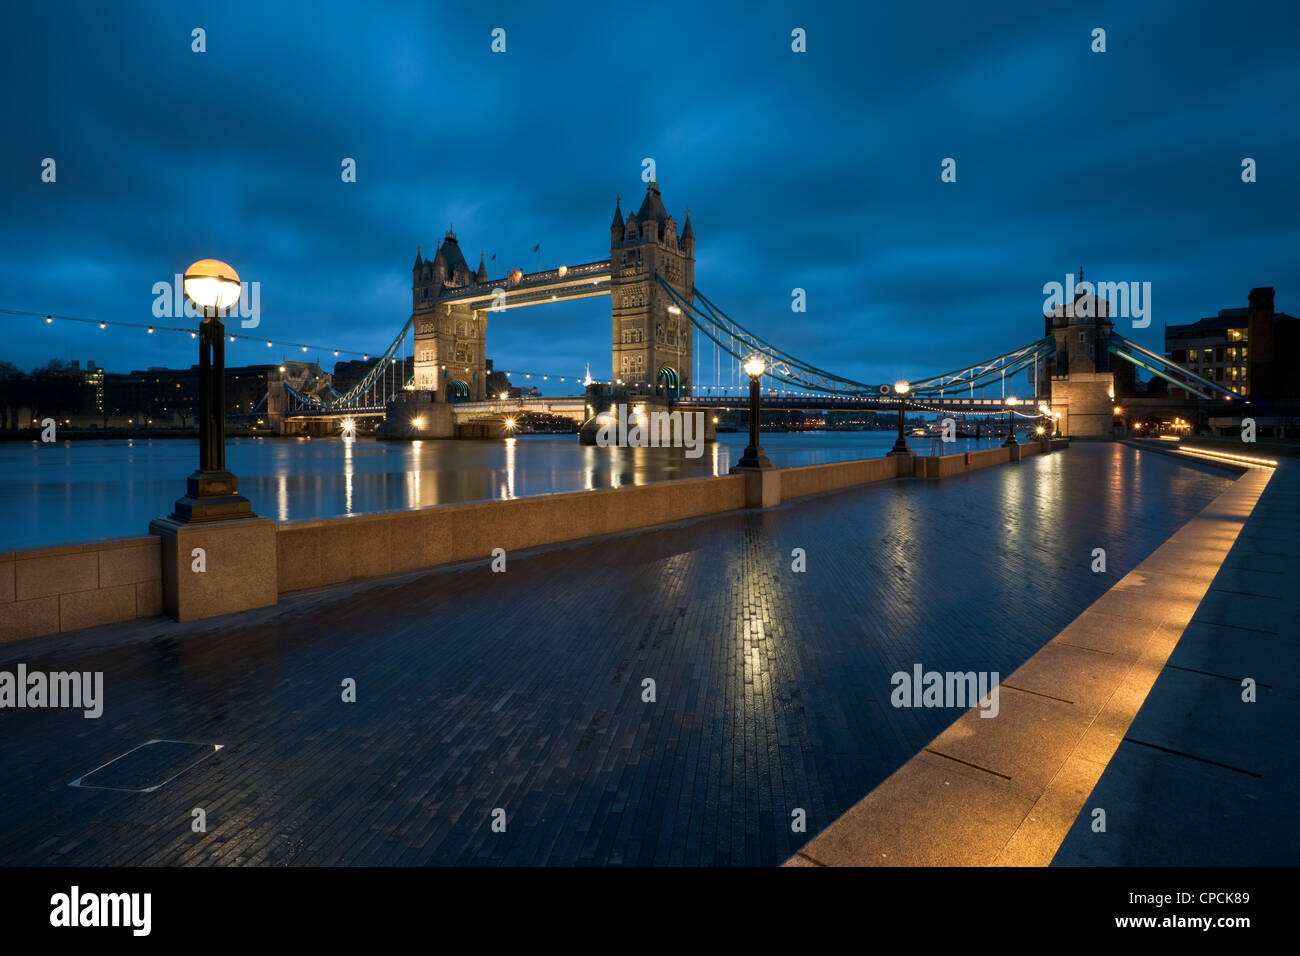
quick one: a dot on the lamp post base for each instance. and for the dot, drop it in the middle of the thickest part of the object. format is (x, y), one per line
(753, 457)
(900, 447)
(1011, 440)
(211, 496)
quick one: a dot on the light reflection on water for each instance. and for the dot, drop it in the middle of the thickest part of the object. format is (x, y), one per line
(83, 490)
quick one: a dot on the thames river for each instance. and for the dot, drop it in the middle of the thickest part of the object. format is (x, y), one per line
(82, 490)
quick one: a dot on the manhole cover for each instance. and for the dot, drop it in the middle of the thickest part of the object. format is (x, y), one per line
(148, 766)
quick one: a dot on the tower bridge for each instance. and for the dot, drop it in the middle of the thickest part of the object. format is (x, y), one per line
(665, 332)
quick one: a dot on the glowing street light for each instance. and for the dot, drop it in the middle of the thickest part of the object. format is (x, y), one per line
(212, 491)
(1012, 402)
(754, 457)
(900, 444)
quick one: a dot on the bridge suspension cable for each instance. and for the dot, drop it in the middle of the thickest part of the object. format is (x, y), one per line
(739, 343)
(1171, 372)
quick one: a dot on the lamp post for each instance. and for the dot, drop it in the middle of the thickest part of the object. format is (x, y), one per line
(212, 491)
(754, 456)
(1012, 402)
(900, 444)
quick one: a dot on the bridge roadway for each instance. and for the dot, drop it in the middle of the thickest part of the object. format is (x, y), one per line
(523, 690)
(575, 406)
(535, 288)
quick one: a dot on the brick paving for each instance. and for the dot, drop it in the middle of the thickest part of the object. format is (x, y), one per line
(1201, 775)
(523, 690)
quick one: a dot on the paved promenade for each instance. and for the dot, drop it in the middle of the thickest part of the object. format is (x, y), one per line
(1201, 775)
(524, 691)
(1198, 776)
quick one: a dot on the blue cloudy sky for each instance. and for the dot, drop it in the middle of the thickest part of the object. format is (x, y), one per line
(818, 170)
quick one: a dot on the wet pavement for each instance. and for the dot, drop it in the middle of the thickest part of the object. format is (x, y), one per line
(523, 691)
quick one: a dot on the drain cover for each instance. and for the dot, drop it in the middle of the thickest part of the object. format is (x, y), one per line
(147, 767)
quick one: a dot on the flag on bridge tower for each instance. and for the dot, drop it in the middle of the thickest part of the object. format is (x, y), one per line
(537, 248)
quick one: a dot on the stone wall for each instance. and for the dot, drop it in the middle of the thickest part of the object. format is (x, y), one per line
(1085, 403)
(944, 466)
(815, 479)
(80, 585)
(316, 553)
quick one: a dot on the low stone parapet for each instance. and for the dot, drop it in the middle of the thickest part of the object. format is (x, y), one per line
(79, 585)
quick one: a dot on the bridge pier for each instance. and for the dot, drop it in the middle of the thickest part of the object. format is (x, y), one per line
(313, 427)
(1085, 401)
(417, 419)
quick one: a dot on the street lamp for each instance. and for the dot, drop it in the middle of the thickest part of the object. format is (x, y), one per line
(754, 457)
(213, 286)
(1012, 402)
(900, 444)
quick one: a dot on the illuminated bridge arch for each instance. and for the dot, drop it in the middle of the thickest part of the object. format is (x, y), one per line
(457, 390)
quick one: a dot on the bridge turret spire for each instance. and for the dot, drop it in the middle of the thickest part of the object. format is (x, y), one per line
(418, 261)
(481, 275)
(616, 227)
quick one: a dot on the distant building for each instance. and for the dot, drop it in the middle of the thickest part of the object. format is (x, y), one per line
(497, 382)
(171, 396)
(1251, 351)
(307, 377)
(347, 374)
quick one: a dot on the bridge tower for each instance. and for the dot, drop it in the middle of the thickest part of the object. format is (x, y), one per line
(450, 338)
(652, 341)
(1081, 383)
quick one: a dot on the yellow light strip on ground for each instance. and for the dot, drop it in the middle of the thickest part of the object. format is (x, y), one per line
(1196, 452)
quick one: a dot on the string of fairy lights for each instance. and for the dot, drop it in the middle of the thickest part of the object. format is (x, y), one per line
(719, 391)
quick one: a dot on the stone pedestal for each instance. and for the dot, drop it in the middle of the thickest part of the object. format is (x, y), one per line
(906, 463)
(1015, 451)
(217, 567)
(762, 486)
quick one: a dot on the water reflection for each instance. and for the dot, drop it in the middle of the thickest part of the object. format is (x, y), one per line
(78, 491)
(347, 473)
(281, 497)
(508, 489)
